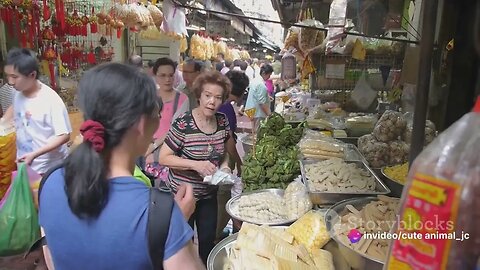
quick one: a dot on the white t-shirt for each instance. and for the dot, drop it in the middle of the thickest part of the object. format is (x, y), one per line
(37, 120)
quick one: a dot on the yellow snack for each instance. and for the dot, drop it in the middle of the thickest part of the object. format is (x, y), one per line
(398, 173)
(310, 230)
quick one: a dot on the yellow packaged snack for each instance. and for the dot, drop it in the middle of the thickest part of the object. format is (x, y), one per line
(310, 230)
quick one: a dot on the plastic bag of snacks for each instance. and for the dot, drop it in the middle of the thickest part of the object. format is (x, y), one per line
(291, 41)
(183, 44)
(310, 230)
(430, 132)
(442, 188)
(398, 151)
(156, 14)
(390, 126)
(310, 39)
(209, 50)
(8, 152)
(375, 152)
(297, 200)
(151, 33)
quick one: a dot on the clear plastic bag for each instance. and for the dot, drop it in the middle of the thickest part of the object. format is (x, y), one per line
(310, 230)
(156, 14)
(321, 148)
(297, 200)
(390, 126)
(174, 19)
(291, 41)
(337, 18)
(448, 170)
(309, 39)
(360, 125)
(363, 95)
(398, 152)
(375, 152)
(430, 131)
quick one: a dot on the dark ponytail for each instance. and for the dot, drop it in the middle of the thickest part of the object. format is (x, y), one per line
(116, 96)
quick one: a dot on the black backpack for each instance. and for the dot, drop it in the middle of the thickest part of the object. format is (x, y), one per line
(158, 224)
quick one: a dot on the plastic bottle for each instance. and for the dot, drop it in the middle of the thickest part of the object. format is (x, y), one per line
(441, 200)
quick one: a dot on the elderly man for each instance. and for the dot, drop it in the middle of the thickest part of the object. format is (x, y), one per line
(191, 69)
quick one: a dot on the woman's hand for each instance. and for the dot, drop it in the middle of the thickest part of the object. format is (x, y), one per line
(185, 200)
(204, 168)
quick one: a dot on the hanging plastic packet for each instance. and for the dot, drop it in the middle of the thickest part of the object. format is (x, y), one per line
(363, 95)
(337, 20)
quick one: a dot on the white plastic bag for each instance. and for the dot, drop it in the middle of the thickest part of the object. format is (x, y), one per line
(363, 95)
(173, 20)
(219, 178)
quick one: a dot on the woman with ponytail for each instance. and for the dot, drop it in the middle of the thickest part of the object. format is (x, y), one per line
(93, 211)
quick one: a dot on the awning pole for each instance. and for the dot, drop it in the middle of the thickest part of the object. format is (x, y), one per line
(429, 19)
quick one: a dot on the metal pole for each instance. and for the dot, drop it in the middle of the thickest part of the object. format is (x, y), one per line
(429, 18)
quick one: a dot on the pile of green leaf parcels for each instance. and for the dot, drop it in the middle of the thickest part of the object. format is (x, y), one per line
(274, 163)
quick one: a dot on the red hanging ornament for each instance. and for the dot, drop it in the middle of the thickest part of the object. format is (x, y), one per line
(46, 11)
(93, 22)
(60, 12)
(91, 56)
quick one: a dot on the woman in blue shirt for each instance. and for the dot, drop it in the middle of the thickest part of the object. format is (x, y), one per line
(93, 211)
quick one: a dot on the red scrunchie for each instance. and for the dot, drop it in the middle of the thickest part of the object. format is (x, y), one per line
(93, 132)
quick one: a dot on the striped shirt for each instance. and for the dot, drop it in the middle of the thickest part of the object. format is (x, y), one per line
(7, 92)
(189, 142)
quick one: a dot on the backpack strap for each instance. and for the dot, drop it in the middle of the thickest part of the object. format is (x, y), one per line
(175, 102)
(45, 177)
(159, 214)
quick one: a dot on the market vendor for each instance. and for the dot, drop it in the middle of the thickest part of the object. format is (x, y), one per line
(195, 147)
(258, 97)
(41, 118)
(191, 69)
(240, 83)
(175, 103)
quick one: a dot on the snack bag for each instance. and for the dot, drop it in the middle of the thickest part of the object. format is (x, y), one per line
(442, 189)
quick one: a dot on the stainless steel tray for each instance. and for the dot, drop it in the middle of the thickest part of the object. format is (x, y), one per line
(351, 153)
(330, 198)
(231, 208)
(355, 259)
(218, 256)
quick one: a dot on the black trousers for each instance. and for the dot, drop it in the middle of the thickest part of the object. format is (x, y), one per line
(205, 219)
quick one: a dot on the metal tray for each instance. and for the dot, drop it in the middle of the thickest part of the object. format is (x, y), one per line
(350, 152)
(330, 198)
(395, 187)
(218, 255)
(356, 260)
(231, 204)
